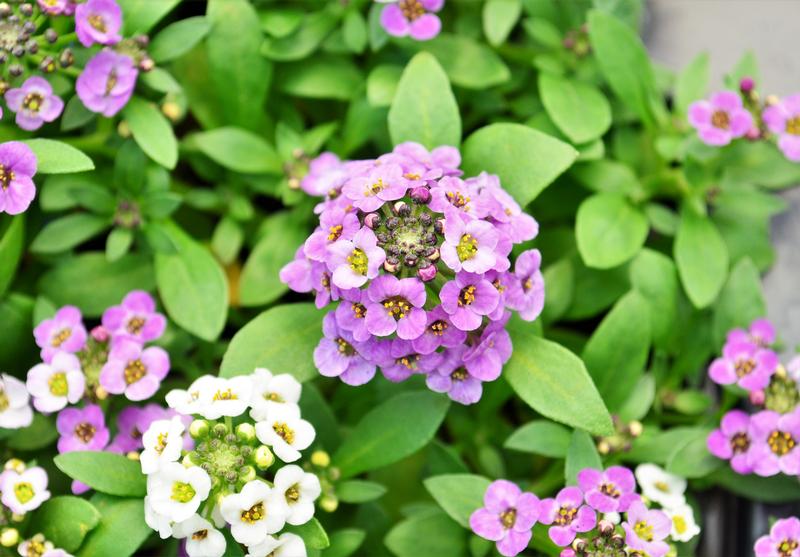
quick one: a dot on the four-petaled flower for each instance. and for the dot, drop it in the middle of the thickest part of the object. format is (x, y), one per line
(720, 119)
(34, 102)
(414, 18)
(17, 168)
(507, 517)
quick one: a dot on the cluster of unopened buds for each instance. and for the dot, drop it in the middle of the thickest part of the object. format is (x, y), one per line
(602, 516)
(728, 115)
(765, 442)
(192, 494)
(417, 262)
(23, 489)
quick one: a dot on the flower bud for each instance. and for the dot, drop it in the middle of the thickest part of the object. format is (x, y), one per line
(124, 129)
(51, 36)
(100, 334)
(392, 223)
(605, 527)
(427, 274)
(133, 455)
(171, 110)
(372, 221)
(567, 553)
(26, 10)
(438, 226)
(247, 474)
(246, 432)
(603, 447)
(191, 459)
(263, 457)
(433, 255)
(198, 429)
(5, 9)
(146, 64)
(66, 58)
(142, 41)
(294, 183)
(329, 503)
(579, 544)
(15, 70)
(753, 133)
(401, 208)
(391, 266)
(15, 464)
(297, 153)
(635, 428)
(746, 85)
(17, 517)
(757, 397)
(48, 65)
(320, 458)
(231, 476)
(9, 537)
(421, 195)
(220, 430)
(617, 540)
(772, 100)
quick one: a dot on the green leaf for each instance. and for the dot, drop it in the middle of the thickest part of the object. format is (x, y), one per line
(747, 66)
(139, 16)
(56, 157)
(93, 283)
(118, 243)
(468, 63)
(777, 489)
(692, 83)
(260, 282)
(702, 258)
(626, 66)
(691, 458)
(579, 109)
(740, 302)
(238, 150)
(382, 84)
(359, 491)
(383, 436)
(655, 277)
(239, 74)
(321, 77)
(581, 454)
(540, 437)
(560, 280)
(618, 349)
(178, 38)
(304, 40)
(65, 521)
(38, 435)
(554, 382)
(345, 542)
(16, 342)
(67, 232)
(609, 230)
(640, 399)
(427, 534)
(12, 242)
(192, 286)
(499, 18)
(281, 339)
(106, 472)
(122, 528)
(458, 494)
(606, 175)
(312, 532)
(152, 132)
(526, 160)
(424, 108)
(354, 31)
(75, 115)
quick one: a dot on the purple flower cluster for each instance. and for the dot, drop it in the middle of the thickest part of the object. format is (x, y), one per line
(766, 442)
(728, 115)
(418, 263)
(509, 515)
(112, 359)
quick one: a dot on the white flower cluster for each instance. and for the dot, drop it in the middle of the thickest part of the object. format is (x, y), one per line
(15, 408)
(216, 484)
(668, 490)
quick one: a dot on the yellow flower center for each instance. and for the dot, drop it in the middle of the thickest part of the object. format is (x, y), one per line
(720, 120)
(334, 232)
(787, 548)
(438, 328)
(293, 494)
(565, 516)
(467, 295)
(284, 432)
(359, 311)
(23, 491)
(58, 384)
(85, 431)
(397, 307)
(458, 200)
(467, 247)
(459, 374)
(135, 325)
(345, 347)
(33, 102)
(200, 535)
(508, 517)
(254, 513)
(182, 492)
(793, 125)
(274, 397)
(781, 442)
(358, 261)
(161, 442)
(97, 22)
(740, 443)
(227, 394)
(134, 371)
(6, 177)
(610, 490)
(644, 530)
(680, 524)
(744, 367)
(409, 362)
(62, 336)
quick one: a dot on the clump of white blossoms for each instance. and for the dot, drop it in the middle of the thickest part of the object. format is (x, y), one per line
(229, 478)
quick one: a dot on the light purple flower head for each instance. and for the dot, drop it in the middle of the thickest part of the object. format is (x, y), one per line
(82, 429)
(645, 530)
(335, 224)
(453, 377)
(775, 439)
(498, 204)
(339, 355)
(34, 103)
(761, 333)
(107, 82)
(414, 18)
(609, 491)
(469, 246)
(133, 370)
(98, 22)
(439, 332)
(454, 193)
(64, 332)
(733, 441)
(354, 262)
(526, 294)
(568, 516)
(783, 539)
(486, 358)
(383, 183)
(507, 517)
(468, 298)
(17, 168)
(135, 319)
(297, 273)
(721, 119)
(745, 364)
(57, 7)
(395, 305)
(326, 174)
(783, 119)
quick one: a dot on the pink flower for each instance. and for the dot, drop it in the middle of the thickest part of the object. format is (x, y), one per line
(135, 371)
(469, 246)
(63, 333)
(136, 318)
(783, 540)
(744, 363)
(761, 333)
(98, 22)
(82, 429)
(507, 517)
(568, 515)
(17, 168)
(609, 491)
(783, 119)
(412, 17)
(107, 82)
(720, 119)
(645, 530)
(733, 441)
(382, 183)
(34, 103)
(354, 262)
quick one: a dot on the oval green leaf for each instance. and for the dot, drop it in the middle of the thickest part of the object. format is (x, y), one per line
(702, 258)
(12, 241)
(67, 232)
(609, 230)
(152, 132)
(238, 150)
(106, 472)
(65, 521)
(458, 494)
(540, 437)
(57, 157)
(579, 109)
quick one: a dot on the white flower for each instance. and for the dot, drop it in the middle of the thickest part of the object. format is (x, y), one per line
(684, 527)
(299, 490)
(195, 398)
(254, 512)
(23, 492)
(270, 391)
(660, 486)
(55, 384)
(228, 397)
(176, 492)
(202, 539)
(163, 442)
(38, 545)
(612, 517)
(56, 552)
(287, 545)
(286, 433)
(158, 522)
(15, 412)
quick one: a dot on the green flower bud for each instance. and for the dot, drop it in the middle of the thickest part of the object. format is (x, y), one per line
(198, 429)
(220, 430)
(9, 537)
(246, 432)
(263, 457)
(247, 474)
